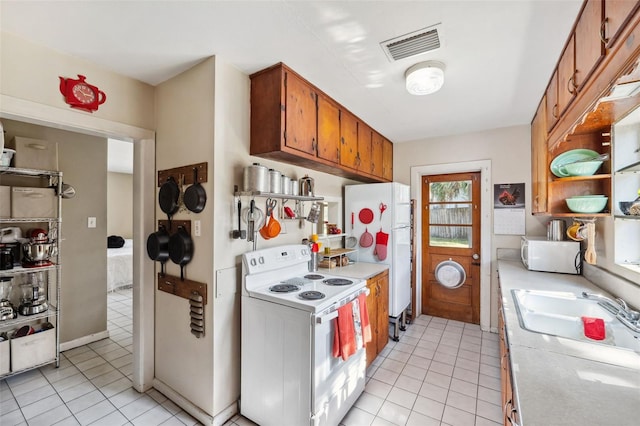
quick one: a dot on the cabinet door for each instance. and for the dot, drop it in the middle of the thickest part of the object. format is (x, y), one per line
(364, 148)
(387, 160)
(383, 311)
(376, 153)
(551, 100)
(539, 160)
(372, 307)
(616, 13)
(589, 47)
(328, 130)
(300, 116)
(348, 139)
(566, 76)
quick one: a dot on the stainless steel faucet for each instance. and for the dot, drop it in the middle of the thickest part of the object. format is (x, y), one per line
(619, 308)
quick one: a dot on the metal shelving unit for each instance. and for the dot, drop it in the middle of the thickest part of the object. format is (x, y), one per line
(52, 274)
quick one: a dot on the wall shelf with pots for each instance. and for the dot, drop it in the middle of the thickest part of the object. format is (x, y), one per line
(31, 286)
(285, 197)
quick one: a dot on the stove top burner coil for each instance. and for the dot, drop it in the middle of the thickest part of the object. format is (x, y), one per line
(297, 281)
(314, 277)
(311, 295)
(284, 288)
(337, 281)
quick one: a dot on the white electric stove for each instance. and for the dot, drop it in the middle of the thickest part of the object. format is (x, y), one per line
(288, 375)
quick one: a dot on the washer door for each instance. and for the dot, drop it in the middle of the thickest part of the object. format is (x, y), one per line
(450, 274)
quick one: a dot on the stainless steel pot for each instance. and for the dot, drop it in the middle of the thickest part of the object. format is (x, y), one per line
(256, 178)
(37, 252)
(306, 186)
(555, 230)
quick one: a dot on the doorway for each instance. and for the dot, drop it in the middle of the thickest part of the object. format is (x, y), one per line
(451, 246)
(144, 184)
(486, 209)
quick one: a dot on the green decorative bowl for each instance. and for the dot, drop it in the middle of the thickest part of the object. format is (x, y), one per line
(585, 168)
(587, 204)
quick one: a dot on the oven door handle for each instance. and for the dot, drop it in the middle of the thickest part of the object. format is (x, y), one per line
(325, 318)
(334, 313)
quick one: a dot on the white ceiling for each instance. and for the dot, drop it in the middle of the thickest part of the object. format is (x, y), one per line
(499, 55)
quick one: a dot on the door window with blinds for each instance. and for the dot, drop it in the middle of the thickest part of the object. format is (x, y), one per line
(450, 214)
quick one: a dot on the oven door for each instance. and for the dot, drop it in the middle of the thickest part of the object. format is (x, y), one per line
(337, 384)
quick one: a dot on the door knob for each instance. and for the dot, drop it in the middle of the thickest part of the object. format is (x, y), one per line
(475, 256)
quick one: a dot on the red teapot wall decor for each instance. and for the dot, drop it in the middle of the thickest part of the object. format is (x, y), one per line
(80, 94)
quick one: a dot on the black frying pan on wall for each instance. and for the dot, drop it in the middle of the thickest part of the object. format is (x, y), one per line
(168, 197)
(181, 248)
(158, 246)
(195, 197)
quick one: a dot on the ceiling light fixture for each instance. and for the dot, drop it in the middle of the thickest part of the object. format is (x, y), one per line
(425, 78)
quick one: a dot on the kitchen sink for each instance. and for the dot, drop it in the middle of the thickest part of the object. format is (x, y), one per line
(559, 314)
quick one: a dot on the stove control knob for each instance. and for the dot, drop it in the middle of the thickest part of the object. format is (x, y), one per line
(261, 260)
(253, 262)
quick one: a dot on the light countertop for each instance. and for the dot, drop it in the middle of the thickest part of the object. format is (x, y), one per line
(361, 270)
(560, 381)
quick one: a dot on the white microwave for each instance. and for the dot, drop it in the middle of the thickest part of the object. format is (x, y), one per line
(540, 254)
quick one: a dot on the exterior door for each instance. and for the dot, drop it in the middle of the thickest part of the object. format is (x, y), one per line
(451, 232)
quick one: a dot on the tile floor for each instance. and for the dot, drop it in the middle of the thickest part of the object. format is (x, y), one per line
(441, 372)
(91, 386)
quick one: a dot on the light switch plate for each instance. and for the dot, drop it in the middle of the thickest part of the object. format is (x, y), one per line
(196, 228)
(91, 222)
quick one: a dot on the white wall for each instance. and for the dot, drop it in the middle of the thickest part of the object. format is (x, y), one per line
(120, 204)
(31, 72)
(508, 149)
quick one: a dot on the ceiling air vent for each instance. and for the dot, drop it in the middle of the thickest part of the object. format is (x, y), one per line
(412, 44)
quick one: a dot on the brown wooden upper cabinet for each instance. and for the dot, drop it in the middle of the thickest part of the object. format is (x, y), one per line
(616, 15)
(364, 148)
(581, 55)
(387, 160)
(377, 141)
(355, 139)
(551, 101)
(348, 140)
(295, 122)
(300, 115)
(328, 130)
(602, 48)
(539, 160)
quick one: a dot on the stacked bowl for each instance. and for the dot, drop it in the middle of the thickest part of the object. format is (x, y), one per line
(587, 203)
(576, 163)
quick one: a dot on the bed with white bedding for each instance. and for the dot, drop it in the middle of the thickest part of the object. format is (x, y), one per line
(120, 266)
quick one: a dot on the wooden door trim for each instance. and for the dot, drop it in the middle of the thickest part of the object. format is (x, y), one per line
(486, 208)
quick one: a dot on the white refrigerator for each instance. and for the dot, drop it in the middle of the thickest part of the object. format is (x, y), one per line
(388, 230)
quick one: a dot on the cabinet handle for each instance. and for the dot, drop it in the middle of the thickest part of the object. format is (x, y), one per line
(572, 82)
(604, 39)
(314, 145)
(554, 111)
(342, 140)
(505, 410)
(338, 151)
